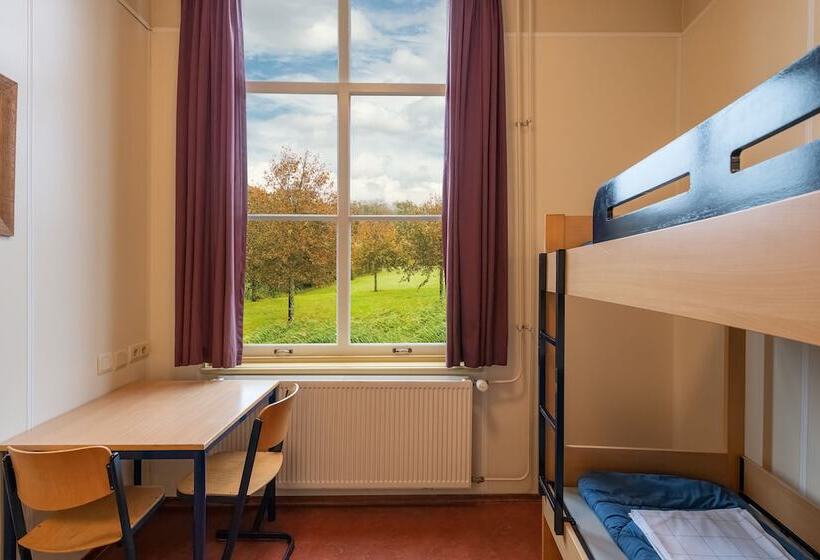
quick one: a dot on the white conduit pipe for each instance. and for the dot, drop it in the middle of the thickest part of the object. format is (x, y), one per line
(523, 194)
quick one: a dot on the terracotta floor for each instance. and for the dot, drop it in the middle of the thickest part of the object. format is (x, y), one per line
(502, 530)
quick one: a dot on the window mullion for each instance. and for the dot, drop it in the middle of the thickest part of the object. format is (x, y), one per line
(343, 266)
(343, 233)
(344, 41)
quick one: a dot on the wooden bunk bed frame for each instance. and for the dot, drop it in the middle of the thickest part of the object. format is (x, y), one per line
(741, 248)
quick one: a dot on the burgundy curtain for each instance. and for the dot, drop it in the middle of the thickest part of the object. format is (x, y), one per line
(211, 177)
(475, 186)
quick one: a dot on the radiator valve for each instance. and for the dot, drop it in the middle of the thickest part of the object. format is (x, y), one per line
(482, 385)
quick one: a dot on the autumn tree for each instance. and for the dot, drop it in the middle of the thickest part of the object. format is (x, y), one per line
(285, 256)
(420, 243)
(375, 246)
(413, 247)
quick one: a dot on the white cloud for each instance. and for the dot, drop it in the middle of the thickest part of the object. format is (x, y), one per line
(396, 144)
(396, 148)
(394, 43)
(287, 27)
(300, 122)
(399, 45)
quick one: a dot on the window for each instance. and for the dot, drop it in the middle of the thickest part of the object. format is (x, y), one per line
(345, 165)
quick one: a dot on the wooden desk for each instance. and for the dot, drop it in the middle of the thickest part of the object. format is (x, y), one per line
(152, 420)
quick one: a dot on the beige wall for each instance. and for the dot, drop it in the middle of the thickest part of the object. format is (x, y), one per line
(165, 13)
(14, 289)
(691, 10)
(89, 154)
(699, 389)
(73, 282)
(733, 46)
(603, 101)
(619, 385)
(608, 15)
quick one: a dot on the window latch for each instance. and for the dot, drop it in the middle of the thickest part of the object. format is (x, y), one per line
(402, 350)
(282, 351)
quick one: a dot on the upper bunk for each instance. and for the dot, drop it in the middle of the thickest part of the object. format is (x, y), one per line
(741, 246)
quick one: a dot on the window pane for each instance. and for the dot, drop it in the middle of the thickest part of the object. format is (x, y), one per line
(292, 152)
(290, 288)
(397, 290)
(286, 41)
(397, 154)
(398, 41)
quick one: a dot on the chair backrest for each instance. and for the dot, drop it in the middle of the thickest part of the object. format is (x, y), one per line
(58, 480)
(276, 420)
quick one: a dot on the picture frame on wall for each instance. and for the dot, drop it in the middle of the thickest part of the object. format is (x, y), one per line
(8, 137)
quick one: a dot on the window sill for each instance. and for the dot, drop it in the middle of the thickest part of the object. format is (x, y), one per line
(341, 367)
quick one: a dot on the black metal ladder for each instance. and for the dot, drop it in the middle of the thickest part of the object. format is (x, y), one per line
(552, 489)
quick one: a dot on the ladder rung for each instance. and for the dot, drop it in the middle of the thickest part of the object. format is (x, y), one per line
(547, 338)
(548, 417)
(547, 489)
(543, 488)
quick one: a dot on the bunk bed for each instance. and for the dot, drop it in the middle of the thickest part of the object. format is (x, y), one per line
(740, 248)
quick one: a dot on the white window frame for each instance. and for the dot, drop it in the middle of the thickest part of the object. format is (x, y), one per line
(344, 90)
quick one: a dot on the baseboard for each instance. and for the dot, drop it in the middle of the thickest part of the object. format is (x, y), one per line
(375, 500)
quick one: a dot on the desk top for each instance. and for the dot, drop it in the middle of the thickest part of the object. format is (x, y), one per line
(151, 416)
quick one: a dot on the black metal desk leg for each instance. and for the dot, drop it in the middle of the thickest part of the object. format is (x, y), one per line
(137, 472)
(9, 541)
(199, 506)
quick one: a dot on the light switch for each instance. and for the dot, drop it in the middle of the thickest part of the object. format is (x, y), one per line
(120, 359)
(104, 363)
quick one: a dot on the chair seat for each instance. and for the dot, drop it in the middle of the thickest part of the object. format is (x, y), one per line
(223, 473)
(92, 525)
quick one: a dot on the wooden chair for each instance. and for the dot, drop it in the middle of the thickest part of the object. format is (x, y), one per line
(82, 488)
(232, 476)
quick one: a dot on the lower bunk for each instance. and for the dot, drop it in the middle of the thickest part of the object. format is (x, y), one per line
(620, 516)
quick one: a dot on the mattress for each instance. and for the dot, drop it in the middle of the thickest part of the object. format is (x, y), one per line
(595, 535)
(599, 538)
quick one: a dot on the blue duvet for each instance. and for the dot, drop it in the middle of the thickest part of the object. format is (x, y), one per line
(613, 495)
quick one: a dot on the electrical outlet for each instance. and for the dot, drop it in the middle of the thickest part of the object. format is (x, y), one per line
(105, 363)
(134, 353)
(138, 351)
(120, 359)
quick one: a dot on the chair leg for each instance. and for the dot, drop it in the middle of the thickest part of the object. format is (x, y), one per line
(233, 532)
(14, 524)
(114, 478)
(261, 536)
(129, 547)
(272, 502)
(242, 495)
(263, 507)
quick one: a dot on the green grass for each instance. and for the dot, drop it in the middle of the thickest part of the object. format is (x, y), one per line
(398, 312)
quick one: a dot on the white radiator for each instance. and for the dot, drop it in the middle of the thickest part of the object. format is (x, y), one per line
(376, 435)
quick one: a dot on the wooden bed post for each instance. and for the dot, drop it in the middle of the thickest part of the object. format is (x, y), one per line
(566, 232)
(735, 402)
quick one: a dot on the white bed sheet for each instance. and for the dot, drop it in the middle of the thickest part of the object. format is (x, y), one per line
(719, 534)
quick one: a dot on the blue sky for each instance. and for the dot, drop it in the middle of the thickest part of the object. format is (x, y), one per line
(396, 142)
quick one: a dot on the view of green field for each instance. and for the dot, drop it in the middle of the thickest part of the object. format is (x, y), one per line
(400, 311)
